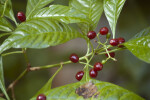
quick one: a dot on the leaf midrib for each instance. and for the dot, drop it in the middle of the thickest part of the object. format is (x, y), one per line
(5, 4)
(33, 9)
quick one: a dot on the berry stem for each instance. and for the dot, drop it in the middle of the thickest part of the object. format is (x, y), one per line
(85, 64)
(86, 70)
(98, 37)
(118, 49)
(9, 53)
(107, 51)
(25, 55)
(88, 47)
(26, 58)
(98, 51)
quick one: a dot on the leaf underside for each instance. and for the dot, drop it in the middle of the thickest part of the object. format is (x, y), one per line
(107, 91)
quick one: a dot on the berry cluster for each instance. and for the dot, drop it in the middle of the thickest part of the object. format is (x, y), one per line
(117, 41)
(93, 72)
(98, 66)
(104, 31)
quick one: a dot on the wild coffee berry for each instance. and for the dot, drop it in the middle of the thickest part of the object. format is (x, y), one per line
(98, 66)
(112, 54)
(121, 40)
(41, 97)
(104, 31)
(93, 73)
(114, 42)
(79, 75)
(21, 16)
(74, 58)
(91, 34)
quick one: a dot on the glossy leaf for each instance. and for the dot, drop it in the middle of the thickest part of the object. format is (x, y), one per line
(92, 9)
(40, 33)
(112, 9)
(2, 85)
(6, 9)
(107, 91)
(145, 32)
(5, 25)
(33, 5)
(62, 13)
(140, 47)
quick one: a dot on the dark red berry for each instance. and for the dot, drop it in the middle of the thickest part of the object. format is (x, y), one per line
(121, 40)
(41, 97)
(93, 73)
(98, 66)
(91, 34)
(114, 42)
(104, 31)
(112, 54)
(74, 58)
(21, 16)
(79, 75)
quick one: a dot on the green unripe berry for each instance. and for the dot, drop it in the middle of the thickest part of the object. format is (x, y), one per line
(103, 61)
(108, 36)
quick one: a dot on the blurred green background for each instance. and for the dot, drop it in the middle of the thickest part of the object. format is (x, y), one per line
(128, 72)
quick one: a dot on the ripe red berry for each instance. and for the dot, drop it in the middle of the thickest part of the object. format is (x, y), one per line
(74, 58)
(112, 54)
(91, 34)
(121, 40)
(93, 73)
(21, 16)
(79, 75)
(98, 66)
(41, 97)
(104, 31)
(114, 42)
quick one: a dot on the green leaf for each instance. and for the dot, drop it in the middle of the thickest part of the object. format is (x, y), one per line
(145, 32)
(92, 9)
(33, 5)
(112, 9)
(5, 25)
(62, 13)
(107, 91)
(2, 98)
(40, 33)
(4, 34)
(2, 85)
(140, 47)
(6, 9)
(48, 85)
